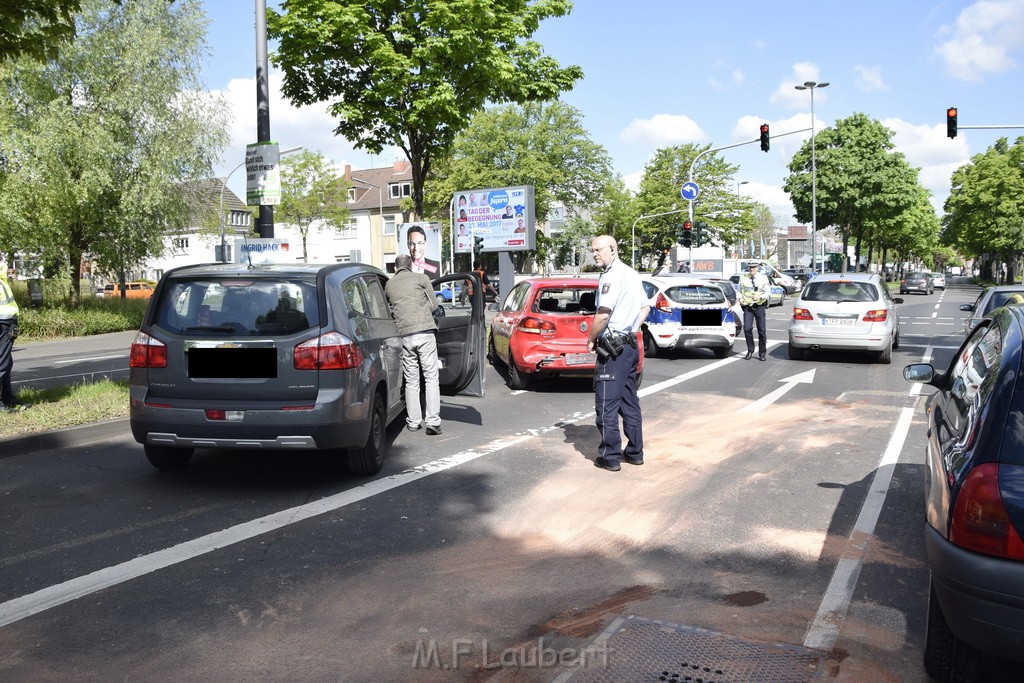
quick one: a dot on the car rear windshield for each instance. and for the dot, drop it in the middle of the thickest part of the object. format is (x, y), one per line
(215, 306)
(566, 300)
(839, 290)
(917, 276)
(695, 294)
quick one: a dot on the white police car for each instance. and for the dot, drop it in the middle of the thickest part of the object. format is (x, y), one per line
(687, 312)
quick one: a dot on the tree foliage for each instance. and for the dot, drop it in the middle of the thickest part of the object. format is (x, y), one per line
(36, 29)
(412, 74)
(863, 188)
(311, 192)
(985, 207)
(664, 175)
(107, 135)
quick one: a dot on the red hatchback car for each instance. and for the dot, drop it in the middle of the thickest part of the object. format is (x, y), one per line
(540, 330)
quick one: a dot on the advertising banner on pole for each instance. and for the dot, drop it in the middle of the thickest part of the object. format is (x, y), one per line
(263, 174)
(261, 250)
(501, 216)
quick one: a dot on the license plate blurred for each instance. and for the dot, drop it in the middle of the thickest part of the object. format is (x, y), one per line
(580, 359)
(838, 321)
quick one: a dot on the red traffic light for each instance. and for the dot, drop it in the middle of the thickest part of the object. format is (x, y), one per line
(951, 122)
(687, 225)
(765, 139)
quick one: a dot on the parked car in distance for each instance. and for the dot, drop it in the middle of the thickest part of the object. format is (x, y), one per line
(974, 501)
(989, 300)
(852, 312)
(132, 290)
(289, 357)
(917, 281)
(938, 281)
(688, 311)
(801, 275)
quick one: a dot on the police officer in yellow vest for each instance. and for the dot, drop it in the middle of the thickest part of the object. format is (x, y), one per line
(8, 332)
(754, 292)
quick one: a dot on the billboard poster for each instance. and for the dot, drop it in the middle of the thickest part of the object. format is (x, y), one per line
(502, 217)
(263, 174)
(423, 243)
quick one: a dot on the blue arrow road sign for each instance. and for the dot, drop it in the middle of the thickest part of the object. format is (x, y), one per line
(689, 191)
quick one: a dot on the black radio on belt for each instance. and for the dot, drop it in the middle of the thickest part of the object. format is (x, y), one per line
(610, 346)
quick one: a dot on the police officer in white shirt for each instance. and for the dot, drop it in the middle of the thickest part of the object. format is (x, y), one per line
(754, 292)
(622, 307)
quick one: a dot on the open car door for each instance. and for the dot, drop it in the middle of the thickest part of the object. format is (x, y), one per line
(461, 334)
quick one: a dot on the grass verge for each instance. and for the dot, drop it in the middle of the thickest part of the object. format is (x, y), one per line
(61, 407)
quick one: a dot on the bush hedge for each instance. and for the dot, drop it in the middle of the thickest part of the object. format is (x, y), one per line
(57, 317)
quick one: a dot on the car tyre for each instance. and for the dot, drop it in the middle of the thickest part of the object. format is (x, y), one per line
(795, 353)
(896, 340)
(885, 355)
(167, 458)
(517, 380)
(492, 353)
(440, 298)
(721, 351)
(947, 658)
(650, 347)
(369, 459)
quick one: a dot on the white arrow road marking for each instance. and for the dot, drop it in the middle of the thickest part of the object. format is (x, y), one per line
(790, 382)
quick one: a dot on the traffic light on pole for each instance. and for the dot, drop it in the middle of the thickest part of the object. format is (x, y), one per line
(478, 245)
(702, 234)
(951, 122)
(765, 141)
(687, 238)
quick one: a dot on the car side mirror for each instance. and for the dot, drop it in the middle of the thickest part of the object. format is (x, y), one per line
(919, 372)
(967, 307)
(898, 299)
(494, 308)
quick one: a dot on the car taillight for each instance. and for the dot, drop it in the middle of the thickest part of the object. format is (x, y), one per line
(661, 304)
(536, 326)
(802, 314)
(147, 352)
(331, 351)
(877, 316)
(980, 521)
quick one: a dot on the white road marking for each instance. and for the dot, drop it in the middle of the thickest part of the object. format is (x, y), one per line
(788, 383)
(824, 631)
(83, 360)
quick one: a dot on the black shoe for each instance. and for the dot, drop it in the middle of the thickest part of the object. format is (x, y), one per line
(607, 464)
(635, 461)
(749, 354)
(762, 357)
(433, 431)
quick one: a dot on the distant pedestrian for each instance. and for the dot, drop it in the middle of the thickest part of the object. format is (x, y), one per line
(413, 303)
(622, 306)
(755, 290)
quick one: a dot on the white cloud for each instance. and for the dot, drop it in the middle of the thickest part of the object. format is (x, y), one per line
(785, 141)
(927, 147)
(982, 39)
(661, 130)
(787, 95)
(869, 78)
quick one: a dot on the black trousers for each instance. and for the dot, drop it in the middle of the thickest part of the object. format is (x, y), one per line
(752, 314)
(615, 395)
(7, 398)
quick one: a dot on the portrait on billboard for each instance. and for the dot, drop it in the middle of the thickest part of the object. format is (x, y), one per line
(424, 246)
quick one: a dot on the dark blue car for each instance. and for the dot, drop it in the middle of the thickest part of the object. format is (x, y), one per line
(974, 501)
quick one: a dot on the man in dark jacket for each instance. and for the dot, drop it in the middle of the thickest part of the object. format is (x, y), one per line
(412, 304)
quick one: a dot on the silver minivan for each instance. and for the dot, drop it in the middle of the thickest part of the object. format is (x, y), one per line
(286, 357)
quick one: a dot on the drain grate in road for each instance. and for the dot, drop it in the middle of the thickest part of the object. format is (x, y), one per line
(883, 399)
(646, 650)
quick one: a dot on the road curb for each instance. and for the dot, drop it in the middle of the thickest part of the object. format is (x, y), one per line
(62, 438)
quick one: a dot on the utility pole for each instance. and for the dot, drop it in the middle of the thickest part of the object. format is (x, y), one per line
(266, 217)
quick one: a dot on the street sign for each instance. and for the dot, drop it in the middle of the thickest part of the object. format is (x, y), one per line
(689, 191)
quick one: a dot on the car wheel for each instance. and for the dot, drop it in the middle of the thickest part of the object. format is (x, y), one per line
(896, 341)
(945, 657)
(650, 348)
(370, 458)
(440, 298)
(492, 353)
(885, 356)
(721, 351)
(517, 380)
(795, 353)
(167, 458)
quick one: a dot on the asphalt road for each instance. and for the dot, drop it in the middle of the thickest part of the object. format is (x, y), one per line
(781, 503)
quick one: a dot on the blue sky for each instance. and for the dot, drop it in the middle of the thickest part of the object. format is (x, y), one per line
(667, 72)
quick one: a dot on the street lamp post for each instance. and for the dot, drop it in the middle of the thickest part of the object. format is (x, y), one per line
(811, 85)
(742, 182)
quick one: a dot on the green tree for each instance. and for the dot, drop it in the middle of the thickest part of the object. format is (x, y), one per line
(412, 74)
(36, 29)
(311, 191)
(717, 204)
(861, 183)
(984, 212)
(108, 134)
